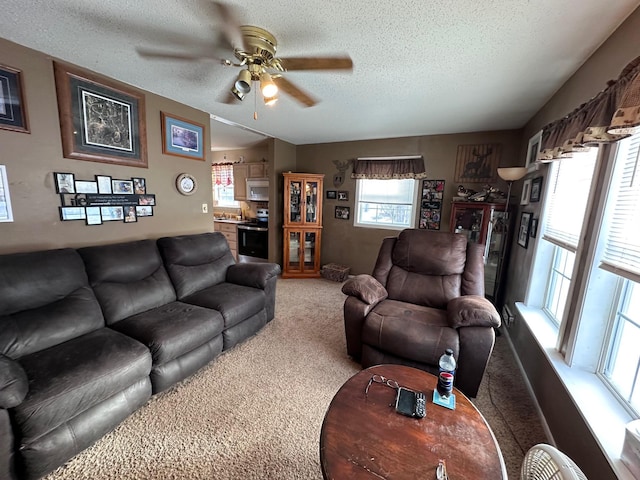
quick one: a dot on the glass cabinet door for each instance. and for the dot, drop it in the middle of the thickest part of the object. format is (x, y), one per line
(311, 202)
(468, 221)
(294, 251)
(309, 250)
(295, 201)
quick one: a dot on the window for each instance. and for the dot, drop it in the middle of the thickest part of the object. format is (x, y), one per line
(385, 203)
(559, 281)
(222, 181)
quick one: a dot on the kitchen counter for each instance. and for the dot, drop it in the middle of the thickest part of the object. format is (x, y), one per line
(229, 220)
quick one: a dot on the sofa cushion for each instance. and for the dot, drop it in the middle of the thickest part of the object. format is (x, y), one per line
(196, 262)
(172, 330)
(69, 378)
(409, 331)
(14, 383)
(46, 300)
(235, 302)
(128, 278)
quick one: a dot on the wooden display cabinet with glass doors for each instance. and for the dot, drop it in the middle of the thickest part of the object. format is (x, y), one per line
(302, 228)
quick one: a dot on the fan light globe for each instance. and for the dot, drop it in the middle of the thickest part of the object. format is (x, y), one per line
(243, 83)
(269, 89)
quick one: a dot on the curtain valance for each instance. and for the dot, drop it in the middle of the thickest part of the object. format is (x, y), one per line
(611, 115)
(384, 168)
(222, 174)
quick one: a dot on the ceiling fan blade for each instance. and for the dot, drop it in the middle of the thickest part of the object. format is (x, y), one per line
(143, 52)
(289, 88)
(316, 63)
(229, 26)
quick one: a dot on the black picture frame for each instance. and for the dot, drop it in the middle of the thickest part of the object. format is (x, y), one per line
(534, 228)
(536, 189)
(65, 182)
(144, 210)
(331, 195)
(72, 213)
(343, 195)
(130, 215)
(104, 184)
(139, 185)
(100, 120)
(342, 213)
(94, 216)
(122, 187)
(523, 230)
(13, 109)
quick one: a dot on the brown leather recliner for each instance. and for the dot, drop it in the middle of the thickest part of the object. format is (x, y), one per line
(426, 294)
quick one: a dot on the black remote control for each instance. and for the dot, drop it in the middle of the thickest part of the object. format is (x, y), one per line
(420, 410)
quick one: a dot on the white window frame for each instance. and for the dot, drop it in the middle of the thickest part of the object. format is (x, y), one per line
(387, 226)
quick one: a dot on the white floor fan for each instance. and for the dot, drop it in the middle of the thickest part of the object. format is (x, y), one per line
(545, 462)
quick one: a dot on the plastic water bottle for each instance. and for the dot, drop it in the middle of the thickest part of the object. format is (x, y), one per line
(447, 366)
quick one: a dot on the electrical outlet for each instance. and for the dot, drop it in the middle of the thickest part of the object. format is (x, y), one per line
(205, 208)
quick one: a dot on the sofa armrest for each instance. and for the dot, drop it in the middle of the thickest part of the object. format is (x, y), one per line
(365, 288)
(14, 383)
(254, 275)
(472, 311)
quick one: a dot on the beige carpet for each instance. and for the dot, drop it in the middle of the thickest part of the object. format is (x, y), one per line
(256, 411)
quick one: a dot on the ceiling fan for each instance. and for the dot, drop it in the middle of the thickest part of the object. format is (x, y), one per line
(254, 49)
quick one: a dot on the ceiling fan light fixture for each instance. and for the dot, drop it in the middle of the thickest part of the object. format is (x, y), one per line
(269, 101)
(268, 88)
(243, 83)
(236, 93)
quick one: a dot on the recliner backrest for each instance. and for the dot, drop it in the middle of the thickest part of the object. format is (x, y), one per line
(128, 278)
(45, 300)
(426, 267)
(196, 262)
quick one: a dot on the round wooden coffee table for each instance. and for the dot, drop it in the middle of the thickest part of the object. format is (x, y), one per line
(363, 437)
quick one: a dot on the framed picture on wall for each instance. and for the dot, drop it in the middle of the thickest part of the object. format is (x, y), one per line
(536, 188)
(342, 213)
(526, 192)
(181, 137)
(100, 121)
(13, 111)
(331, 194)
(533, 149)
(523, 230)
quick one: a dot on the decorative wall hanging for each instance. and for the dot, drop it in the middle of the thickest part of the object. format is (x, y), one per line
(533, 149)
(342, 213)
(526, 192)
(343, 195)
(477, 163)
(523, 231)
(186, 184)
(536, 189)
(341, 165)
(431, 204)
(13, 110)
(6, 213)
(181, 137)
(100, 121)
(331, 194)
(104, 199)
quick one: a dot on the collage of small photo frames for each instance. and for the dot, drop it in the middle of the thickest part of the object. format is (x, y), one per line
(431, 204)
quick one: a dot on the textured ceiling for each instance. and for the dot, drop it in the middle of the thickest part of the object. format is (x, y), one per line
(420, 67)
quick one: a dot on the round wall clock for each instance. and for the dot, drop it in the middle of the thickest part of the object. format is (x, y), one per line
(186, 184)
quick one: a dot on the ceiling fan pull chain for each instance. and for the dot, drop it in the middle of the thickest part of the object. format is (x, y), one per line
(255, 105)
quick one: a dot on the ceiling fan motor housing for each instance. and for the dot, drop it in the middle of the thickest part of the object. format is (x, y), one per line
(258, 43)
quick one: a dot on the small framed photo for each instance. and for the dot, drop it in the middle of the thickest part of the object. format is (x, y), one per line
(342, 213)
(112, 214)
(139, 185)
(534, 227)
(144, 211)
(523, 230)
(130, 214)
(72, 213)
(65, 182)
(147, 200)
(84, 186)
(331, 194)
(13, 110)
(181, 137)
(123, 187)
(536, 188)
(93, 216)
(526, 192)
(343, 195)
(534, 149)
(104, 184)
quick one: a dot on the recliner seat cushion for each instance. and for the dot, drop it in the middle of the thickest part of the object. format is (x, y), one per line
(409, 331)
(173, 329)
(235, 302)
(69, 378)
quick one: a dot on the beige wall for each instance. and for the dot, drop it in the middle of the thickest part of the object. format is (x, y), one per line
(358, 247)
(32, 158)
(565, 421)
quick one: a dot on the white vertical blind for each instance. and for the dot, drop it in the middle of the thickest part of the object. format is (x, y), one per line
(568, 195)
(622, 248)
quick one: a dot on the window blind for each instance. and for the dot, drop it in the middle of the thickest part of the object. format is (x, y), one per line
(622, 244)
(567, 197)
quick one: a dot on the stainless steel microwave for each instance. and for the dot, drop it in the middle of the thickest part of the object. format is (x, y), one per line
(258, 189)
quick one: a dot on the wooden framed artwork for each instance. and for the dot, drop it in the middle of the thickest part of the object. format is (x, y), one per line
(477, 163)
(533, 149)
(13, 110)
(523, 231)
(100, 121)
(181, 137)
